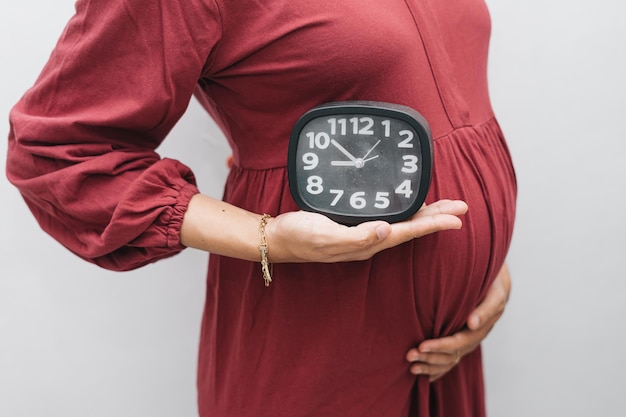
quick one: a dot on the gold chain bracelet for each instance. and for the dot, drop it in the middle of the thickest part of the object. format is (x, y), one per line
(265, 264)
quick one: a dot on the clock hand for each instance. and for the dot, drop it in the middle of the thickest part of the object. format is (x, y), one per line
(370, 158)
(343, 150)
(370, 151)
(343, 163)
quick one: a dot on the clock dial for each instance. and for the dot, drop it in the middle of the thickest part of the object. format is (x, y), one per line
(359, 161)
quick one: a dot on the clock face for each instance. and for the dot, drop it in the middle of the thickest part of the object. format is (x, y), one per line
(360, 161)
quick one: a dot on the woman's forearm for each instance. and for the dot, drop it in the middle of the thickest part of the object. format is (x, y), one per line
(218, 227)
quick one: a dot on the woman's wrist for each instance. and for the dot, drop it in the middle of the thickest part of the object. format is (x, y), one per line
(221, 228)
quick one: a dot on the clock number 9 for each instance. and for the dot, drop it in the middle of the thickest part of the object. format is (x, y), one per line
(311, 161)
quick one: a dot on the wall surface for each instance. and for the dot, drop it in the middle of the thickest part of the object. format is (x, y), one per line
(558, 85)
(76, 340)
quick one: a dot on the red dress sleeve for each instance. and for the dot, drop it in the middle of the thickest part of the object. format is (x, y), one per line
(83, 138)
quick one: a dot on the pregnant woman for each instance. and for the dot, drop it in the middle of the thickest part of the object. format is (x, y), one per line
(330, 335)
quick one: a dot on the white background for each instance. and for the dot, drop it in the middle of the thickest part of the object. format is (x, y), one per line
(78, 341)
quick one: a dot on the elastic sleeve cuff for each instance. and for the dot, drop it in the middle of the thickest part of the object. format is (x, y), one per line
(178, 213)
(162, 195)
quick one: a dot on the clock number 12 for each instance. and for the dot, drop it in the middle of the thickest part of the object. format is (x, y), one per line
(360, 125)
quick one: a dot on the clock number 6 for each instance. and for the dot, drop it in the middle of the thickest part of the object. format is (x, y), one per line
(357, 201)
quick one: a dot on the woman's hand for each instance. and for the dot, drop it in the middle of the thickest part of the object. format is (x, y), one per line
(221, 228)
(309, 237)
(437, 356)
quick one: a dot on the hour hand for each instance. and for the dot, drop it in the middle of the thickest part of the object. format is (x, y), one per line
(343, 151)
(343, 163)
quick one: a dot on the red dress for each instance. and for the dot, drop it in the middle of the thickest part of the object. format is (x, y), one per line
(323, 340)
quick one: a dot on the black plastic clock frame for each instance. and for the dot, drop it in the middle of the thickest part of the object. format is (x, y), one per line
(375, 108)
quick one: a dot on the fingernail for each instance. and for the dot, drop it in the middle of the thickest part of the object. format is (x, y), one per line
(475, 321)
(382, 232)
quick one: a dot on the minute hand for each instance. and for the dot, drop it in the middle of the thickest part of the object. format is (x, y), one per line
(343, 150)
(370, 151)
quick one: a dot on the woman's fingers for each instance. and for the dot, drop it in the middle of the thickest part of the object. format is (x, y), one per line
(492, 307)
(434, 365)
(438, 216)
(303, 236)
(435, 357)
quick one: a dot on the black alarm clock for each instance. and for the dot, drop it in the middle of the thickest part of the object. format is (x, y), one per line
(358, 161)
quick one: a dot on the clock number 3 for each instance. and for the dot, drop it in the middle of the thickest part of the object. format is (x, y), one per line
(410, 164)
